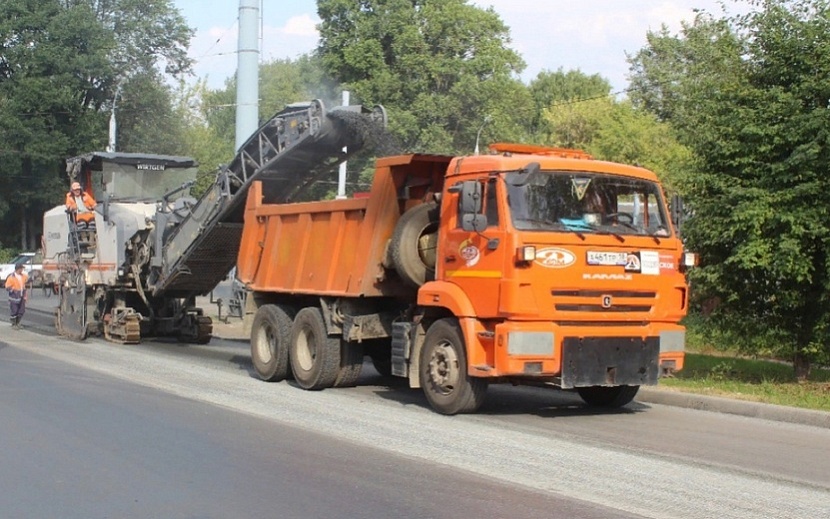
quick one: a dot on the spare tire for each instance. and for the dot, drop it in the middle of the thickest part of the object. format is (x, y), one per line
(414, 242)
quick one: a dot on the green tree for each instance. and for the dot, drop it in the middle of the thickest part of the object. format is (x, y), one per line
(61, 63)
(146, 119)
(441, 69)
(200, 139)
(750, 97)
(616, 131)
(549, 88)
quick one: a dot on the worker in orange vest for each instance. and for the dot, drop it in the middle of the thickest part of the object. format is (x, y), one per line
(81, 205)
(16, 288)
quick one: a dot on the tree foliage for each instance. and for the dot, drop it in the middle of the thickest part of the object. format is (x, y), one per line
(441, 69)
(749, 95)
(616, 131)
(61, 63)
(555, 88)
(146, 119)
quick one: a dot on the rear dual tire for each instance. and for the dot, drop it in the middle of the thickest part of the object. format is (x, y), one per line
(315, 357)
(270, 339)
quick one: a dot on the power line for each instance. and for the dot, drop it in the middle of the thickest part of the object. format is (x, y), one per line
(221, 36)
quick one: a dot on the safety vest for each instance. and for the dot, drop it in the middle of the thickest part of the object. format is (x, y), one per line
(16, 286)
(88, 202)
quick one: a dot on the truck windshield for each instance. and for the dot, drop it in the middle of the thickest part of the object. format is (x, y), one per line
(586, 202)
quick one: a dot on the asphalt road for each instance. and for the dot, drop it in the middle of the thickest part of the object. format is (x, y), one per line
(79, 444)
(529, 444)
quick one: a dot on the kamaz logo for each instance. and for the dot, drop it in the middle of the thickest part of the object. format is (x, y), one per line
(554, 257)
(606, 277)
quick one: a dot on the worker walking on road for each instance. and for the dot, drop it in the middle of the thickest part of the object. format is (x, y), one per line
(81, 204)
(16, 288)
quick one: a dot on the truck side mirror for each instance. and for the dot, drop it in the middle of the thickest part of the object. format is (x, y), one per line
(470, 194)
(473, 222)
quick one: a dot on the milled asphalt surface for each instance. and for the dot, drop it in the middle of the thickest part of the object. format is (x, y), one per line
(233, 329)
(650, 395)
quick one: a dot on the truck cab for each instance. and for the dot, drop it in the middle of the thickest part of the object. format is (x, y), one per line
(560, 267)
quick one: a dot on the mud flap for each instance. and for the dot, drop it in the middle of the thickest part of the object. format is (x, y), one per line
(610, 361)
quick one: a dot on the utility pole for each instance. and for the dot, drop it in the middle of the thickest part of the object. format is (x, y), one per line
(247, 72)
(341, 178)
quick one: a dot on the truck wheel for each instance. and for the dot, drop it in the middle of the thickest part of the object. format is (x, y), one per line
(414, 242)
(270, 337)
(351, 363)
(611, 397)
(443, 371)
(315, 357)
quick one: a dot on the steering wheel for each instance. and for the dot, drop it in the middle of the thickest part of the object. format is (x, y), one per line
(628, 217)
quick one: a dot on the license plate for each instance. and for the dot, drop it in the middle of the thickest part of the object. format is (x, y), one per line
(606, 258)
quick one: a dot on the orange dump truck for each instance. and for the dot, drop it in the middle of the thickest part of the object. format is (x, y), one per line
(528, 265)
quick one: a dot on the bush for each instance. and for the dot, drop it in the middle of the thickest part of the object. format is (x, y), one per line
(7, 254)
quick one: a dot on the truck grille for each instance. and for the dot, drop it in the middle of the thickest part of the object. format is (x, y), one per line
(610, 301)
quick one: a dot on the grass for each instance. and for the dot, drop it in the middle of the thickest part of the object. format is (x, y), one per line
(748, 379)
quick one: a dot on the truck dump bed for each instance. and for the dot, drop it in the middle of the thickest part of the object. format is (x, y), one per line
(337, 247)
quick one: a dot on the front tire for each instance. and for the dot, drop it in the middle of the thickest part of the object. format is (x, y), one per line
(270, 339)
(443, 371)
(605, 396)
(315, 357)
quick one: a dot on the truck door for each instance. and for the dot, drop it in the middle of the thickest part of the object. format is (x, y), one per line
(475, 260)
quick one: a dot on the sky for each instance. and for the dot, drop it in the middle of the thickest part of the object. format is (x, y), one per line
(592, 36)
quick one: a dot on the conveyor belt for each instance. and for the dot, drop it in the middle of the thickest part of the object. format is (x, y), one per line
(294, 148)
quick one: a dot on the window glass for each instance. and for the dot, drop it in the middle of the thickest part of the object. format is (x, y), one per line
(586, 202)
(128, 183)
(491, 206)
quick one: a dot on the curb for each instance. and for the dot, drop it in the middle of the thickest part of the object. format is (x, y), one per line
(737, 407)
